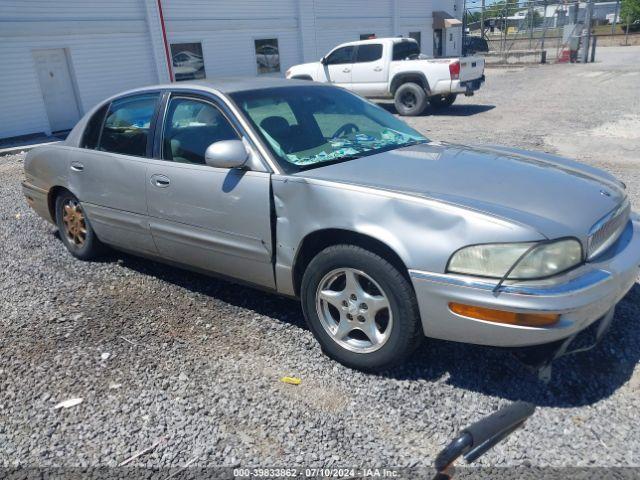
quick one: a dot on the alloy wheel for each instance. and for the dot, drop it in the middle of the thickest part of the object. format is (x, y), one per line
(354, 310)
(75, 228)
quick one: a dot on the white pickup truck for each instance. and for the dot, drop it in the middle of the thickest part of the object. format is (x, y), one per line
(394, 68)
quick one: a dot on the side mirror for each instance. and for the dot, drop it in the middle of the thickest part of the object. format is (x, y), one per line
(226, 154)
(323, 60)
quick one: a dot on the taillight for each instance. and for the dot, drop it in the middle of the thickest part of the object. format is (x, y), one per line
(454, 70)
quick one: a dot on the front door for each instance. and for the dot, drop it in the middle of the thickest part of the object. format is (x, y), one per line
(215, 219)
(338, 65)
(57, 90)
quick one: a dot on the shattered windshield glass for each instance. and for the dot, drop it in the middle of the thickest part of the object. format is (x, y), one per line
(307, 127)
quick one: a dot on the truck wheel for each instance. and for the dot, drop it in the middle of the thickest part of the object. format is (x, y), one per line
(75, 229)
(442, 101)
(410, 99)
(360, 308)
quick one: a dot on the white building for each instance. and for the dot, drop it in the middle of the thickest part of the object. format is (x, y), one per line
(58, 59)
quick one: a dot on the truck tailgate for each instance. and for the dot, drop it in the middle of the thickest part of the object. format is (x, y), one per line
(471, 68)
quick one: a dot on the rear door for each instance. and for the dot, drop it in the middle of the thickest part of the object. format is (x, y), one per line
(108, 172)
(214, 219)
(338, 65)
(369, 72)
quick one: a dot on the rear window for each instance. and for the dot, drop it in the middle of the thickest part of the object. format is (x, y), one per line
(92, 130)
(369, 53)
(126, 128)
(404, 50)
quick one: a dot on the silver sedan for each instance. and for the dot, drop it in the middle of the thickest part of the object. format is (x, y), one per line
(312, 192)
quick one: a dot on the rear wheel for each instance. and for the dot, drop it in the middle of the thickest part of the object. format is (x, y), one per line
(360, 308)
(75, 229)
(442, 101)
(410, 99)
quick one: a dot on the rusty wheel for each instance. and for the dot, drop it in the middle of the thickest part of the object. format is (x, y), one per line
(75, 227)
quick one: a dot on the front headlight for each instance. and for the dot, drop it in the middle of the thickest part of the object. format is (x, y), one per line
(495, 260)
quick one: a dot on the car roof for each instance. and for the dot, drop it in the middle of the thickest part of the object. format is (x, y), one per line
(226, 85)
(376, 40)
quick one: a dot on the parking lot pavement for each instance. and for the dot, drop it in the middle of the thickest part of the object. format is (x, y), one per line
(589, 112)
(157, 353)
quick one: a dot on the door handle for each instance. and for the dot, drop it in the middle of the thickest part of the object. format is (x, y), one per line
(77, 166)
(377, 69)
(346, 70)
(160, 181)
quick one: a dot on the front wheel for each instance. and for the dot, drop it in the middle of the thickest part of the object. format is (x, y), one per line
(442, 101)
(410, 99)
(360, 308)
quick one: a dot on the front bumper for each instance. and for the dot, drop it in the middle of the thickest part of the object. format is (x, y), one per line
(581, 297)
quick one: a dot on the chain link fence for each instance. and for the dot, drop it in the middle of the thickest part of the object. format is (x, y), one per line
(550, 31)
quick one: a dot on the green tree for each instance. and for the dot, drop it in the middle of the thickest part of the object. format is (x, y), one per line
(631, 9)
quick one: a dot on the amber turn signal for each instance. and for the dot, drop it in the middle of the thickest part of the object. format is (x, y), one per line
(500, 316)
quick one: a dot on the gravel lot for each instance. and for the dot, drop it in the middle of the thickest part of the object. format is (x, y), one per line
(197, 361)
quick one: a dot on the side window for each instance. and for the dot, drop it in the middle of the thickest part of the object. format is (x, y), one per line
(341, 55)
(404, 50)
(369, 53)
(126, 128)
(91, 133)
(190, 126)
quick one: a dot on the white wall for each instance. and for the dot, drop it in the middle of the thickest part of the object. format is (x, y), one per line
(415, 16)
(107, 43)
(227, 31)
(117, 44)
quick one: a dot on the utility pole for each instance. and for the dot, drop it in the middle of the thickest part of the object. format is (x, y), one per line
(530, 24)
(626, 35)
(464, 25)
(615, 18)
(544, 24)
(587, 26)
(482, 20)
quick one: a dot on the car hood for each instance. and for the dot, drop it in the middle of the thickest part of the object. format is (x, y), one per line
(555, 196)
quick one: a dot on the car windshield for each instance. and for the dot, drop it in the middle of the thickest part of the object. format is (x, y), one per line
(309, 127)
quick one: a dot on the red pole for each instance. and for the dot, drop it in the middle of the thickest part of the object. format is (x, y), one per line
(166, 43)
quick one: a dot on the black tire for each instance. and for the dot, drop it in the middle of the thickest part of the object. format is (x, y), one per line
(302, 77)
(442, 101)
(406, 329)
(84, 246)
(410, 99)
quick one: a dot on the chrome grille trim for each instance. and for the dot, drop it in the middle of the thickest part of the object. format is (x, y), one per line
(607, 230)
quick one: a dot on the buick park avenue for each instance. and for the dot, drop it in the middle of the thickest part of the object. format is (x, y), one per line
(312, 192)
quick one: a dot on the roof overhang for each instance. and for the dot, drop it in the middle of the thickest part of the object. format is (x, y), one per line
(445, 20)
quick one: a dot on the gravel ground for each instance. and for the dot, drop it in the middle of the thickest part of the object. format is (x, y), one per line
(159, 353)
